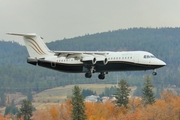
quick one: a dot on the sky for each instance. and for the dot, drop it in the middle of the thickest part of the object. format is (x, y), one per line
(59, 19)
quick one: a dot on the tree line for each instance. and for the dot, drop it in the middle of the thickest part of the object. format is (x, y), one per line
(18, 76)
(76, 109)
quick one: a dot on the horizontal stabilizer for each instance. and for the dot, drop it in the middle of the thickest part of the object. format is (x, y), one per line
(21, 34)
(35, 45)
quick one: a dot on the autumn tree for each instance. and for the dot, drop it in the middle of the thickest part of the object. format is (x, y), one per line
(78, 106)
(123, 91)
(26, 110)
(148, 95)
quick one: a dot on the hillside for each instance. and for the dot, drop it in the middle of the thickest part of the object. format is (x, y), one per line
(164, 43)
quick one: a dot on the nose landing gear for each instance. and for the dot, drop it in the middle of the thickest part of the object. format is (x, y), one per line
(154, 72)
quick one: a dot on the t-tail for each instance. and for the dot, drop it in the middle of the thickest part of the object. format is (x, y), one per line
(36, 47)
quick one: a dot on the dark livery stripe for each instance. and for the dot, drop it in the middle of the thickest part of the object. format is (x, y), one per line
(111, 66)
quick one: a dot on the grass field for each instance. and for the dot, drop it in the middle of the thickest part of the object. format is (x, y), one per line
(59, 95)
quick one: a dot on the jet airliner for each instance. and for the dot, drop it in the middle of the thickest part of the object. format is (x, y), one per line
(87, 62)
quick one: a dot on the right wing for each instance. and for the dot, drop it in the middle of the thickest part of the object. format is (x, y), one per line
(85, 56)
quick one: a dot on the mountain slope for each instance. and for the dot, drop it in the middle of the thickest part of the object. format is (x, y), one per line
(164, 43)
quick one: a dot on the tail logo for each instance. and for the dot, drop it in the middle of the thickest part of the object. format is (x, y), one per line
(35, 46)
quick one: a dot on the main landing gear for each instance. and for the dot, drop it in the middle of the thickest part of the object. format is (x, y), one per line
(92, 70)
(89, 73)
(101, 75)
(154, 72)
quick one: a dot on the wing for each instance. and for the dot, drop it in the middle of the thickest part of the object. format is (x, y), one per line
(79, 54)
(87, 57)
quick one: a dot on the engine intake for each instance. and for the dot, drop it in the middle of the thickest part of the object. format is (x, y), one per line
(101, 60)
(90, 60)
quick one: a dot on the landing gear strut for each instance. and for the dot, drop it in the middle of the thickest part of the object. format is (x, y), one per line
(154, 72)
(89, 74)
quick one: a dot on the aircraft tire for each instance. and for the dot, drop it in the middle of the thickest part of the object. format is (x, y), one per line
(101, 76)
(88, 75)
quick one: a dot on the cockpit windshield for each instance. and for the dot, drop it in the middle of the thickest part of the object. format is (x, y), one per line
(149, 56)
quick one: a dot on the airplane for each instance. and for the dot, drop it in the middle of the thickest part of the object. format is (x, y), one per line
(87, 62)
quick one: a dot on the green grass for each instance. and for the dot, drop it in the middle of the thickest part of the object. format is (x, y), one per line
(60, 94)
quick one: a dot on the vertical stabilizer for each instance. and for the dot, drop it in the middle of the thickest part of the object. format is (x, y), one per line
(35, 45)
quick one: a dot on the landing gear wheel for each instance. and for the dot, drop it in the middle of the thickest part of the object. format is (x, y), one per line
(154, 73)
(88, 75)
(101, 76)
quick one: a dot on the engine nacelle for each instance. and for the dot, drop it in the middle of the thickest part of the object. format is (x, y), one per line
(101, 60)
(89, 60)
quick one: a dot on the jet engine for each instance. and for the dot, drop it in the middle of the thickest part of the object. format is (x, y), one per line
(101, 60)
(89, 60)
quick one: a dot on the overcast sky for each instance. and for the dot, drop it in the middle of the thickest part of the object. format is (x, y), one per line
(58, 19)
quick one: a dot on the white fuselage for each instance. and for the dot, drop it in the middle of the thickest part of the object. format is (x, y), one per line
(116, 61)
(87, 61)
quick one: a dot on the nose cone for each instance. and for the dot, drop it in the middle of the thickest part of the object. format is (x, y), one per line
(161, 63)
(157, 63)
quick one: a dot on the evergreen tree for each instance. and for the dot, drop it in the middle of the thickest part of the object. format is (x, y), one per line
(29, 96)
(87, 92)
(78, 111)
(148, 95)
(2, 99)
(123, 91)
(109, 91)
(11, 109)
(26, 110)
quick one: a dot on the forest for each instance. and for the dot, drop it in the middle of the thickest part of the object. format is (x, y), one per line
(130, 108)
(166, 108)
(18, 76)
